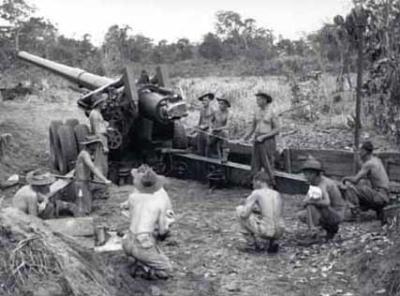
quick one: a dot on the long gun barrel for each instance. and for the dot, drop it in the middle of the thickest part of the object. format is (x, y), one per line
(76, 75)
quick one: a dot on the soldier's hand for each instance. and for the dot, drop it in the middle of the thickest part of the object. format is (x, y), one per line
(260, 139)
(108, 182)
(163, 237)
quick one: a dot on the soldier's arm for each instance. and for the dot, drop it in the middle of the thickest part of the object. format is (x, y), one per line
(252, 129)
(334, 192)
(249, 205)
(200, 125)
(88, 161)
(32, 206)
(165, 219)
(126, 204)
(365, 169)
(323, 202)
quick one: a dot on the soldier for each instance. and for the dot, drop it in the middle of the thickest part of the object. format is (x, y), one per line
(261, 216)
(33, 199)
(265, 126)
(220, 126)
(324, 205)
(364, 196)
(151, 215)
(84, 170)
(204, 126)
(144, 78)
(99, 128)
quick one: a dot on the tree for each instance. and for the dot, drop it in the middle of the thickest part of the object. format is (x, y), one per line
(211, 47)
(15, 11)
(37, 35)
(115, 48)
(164, 52)
(184, 48)
(140, 48)
(243, 37)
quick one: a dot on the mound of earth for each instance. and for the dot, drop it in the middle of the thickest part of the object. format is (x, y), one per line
(38, 262)
(378, 266)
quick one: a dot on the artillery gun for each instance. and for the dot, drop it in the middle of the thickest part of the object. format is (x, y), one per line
(142, 117)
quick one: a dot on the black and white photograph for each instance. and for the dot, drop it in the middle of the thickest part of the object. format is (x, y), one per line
(200, 148)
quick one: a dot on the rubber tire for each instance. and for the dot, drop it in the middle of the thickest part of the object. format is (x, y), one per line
(81, 131)
(180, 139)
(68, 149)
(53, 140)
(72, 122)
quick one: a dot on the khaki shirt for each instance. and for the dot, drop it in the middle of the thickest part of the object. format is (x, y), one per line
(150, 212)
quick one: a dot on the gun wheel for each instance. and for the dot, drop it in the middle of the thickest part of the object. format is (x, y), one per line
(114, 139)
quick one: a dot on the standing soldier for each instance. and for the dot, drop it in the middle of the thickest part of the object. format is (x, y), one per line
(99, 127)
(84, 170)
(204, 126)
(144, 78)
(265, 126)
(220, 126)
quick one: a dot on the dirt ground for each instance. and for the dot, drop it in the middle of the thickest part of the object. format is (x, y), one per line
(204, 245)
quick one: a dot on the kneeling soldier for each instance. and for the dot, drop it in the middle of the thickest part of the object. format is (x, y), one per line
(260, 216)
(151, 215)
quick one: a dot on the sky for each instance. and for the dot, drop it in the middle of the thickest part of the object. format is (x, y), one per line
(174, 19)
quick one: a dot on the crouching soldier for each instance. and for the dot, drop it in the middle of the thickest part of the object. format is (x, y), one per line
(324, 205)
(260, 216)
(372, 196)
(151, 215)
(85, 170)
(33, 199)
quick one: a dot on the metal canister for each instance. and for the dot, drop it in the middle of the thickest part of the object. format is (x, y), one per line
(100, 235)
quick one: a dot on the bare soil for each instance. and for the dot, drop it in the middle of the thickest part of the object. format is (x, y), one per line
(205, 243)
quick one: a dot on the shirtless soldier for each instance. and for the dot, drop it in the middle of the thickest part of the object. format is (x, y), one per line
(33, 199)
(368, 197)
(99, 127)
(220, 126)
(204, 126)
(326, 210)
(265, 126)
(261, 216)
(151, 215)
(84, 171)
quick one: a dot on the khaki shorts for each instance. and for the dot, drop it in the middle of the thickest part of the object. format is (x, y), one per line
(143, 248)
